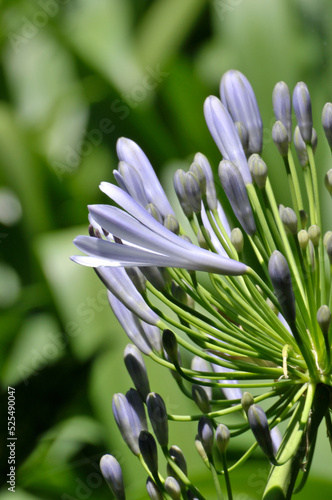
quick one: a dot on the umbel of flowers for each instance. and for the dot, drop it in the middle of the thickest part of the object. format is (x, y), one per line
(260, 338)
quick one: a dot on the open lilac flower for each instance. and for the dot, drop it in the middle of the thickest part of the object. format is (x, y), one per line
(263, 328)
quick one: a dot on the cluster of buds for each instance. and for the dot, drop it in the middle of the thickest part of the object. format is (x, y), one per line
(263, 327)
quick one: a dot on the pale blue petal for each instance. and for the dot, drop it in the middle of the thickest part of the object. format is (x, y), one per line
(131, 153)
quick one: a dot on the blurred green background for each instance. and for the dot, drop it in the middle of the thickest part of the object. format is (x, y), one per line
(75, 76)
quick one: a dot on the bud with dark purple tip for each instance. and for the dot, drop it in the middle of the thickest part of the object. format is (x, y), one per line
(148, 449)
(170, 345)
(201, 398)
(112, 473)
(158, 417)
(222, 438)
(282, 283)
(260, 429)
(302, 108)
(236, 193)
(137, 370)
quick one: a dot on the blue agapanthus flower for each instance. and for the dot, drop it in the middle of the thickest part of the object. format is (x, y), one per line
(259, 336)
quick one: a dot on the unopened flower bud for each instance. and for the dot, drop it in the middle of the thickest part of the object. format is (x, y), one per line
(239, 98)
(258, 170)
(201, 239)
(246, 401)
(206, 435)
(199, 173)
(282, 283)
(137, 370)
(153, 490)
(303, 238)
(127, 421)
(148, 449)
(260, 429)
(193, 191)
(236, 193)
(112, 473)
(327, 122)
(302, 108)
(222, 438)
(328, 181)
(201, 398)
(300, 147)
(136, 403)
(170, 345)
(289, 220)
(210, 189)
(201, 451)
(172, 224)
(237, 239)
(158, 417)
(282, 107)
(138, 278)
(314, 234)
(324, 319)
(179, 186)
(173, 488)
(280, 138)
(179, 458)
(326, 238)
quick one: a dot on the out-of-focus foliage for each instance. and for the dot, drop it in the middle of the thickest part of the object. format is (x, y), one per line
(75, 76)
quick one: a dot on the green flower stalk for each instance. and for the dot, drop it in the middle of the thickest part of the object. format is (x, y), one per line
(255, 340)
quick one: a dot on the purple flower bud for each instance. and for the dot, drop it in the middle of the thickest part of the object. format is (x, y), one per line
(180, 189)
(222, 438)
(148, 449)
(206, 435)
(201, 398)
(327, 122)
(158, 417)
(260, 429)
(282, 283)
(170, 345)
(244, 136)
(210, 188)
(153, 490)
(282, 107)
(302, 108)
(137, 370)
(193, 191)
(239, 98)
(112, 473)
(258, 170)
(280, 138)
(128, 422)
(236, 193)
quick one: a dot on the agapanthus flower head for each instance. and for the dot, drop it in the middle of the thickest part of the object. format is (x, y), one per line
(255, 339)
